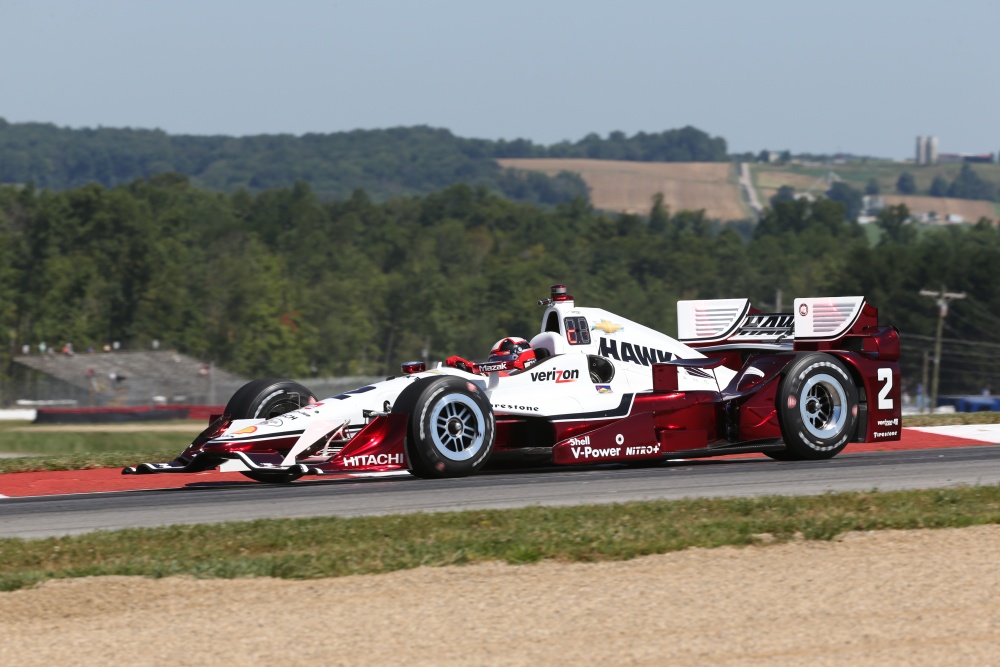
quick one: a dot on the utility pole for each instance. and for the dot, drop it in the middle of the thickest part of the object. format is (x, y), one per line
(924, 400)
(942, 299)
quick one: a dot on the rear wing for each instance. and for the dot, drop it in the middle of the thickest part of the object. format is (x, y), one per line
(815, 320)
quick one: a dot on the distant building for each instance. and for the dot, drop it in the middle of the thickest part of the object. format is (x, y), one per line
(927, 150)
(921, 157)
(872, 204)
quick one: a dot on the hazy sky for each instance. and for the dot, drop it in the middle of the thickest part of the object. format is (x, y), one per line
(857, 76)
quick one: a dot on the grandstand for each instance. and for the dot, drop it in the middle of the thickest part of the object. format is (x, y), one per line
(127, 379)
(123, 379)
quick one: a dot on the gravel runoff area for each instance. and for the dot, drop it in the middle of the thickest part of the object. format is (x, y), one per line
(880, 598)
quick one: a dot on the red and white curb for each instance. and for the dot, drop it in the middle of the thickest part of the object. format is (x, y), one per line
(980, 432)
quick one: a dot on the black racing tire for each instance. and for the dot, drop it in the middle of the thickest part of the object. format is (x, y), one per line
(780, 455)
(817, 407)
(451, 427)
(267, 398)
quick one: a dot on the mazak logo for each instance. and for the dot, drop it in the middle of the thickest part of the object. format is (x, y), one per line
(492, 368)
(373, 460)
(556, 376)
(636, 354)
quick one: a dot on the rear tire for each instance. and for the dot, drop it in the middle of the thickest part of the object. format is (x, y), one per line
(451, 427)
(817, 408)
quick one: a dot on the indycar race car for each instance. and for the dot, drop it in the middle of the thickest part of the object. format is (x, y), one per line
(591, 387)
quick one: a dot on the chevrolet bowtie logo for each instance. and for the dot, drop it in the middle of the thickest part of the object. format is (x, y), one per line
(608, 327)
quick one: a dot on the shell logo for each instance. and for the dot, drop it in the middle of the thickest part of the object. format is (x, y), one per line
(245, 431)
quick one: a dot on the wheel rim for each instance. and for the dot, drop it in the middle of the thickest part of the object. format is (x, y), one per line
(458, 428)
(285, 403)
(823, 404)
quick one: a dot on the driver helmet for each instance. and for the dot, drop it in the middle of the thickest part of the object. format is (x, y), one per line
(513, 349)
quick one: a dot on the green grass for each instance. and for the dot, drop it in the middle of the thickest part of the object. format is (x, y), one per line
(986, 417)
(886, 172)
(330, 547)
(75, 450)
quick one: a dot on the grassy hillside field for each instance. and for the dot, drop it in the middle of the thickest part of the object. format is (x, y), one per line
(617, 185)
(622, 186)
(768, 178)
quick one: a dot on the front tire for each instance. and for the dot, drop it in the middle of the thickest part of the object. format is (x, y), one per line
(818, 407)
(268, 398)
(451, 427)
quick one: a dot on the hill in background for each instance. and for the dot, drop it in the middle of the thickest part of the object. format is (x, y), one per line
(383, 163)
(814, 178)
(621, 186)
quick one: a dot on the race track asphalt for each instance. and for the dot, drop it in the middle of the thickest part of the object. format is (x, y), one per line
(213, 501)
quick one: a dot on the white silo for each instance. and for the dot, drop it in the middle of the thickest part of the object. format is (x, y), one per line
(921, 150)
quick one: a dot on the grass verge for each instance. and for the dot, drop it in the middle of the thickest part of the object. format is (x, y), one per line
(985, 417)
(330, 547)
(78, 450)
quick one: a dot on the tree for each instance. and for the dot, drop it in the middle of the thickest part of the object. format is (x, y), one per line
(659, 215)
(970, 185)
(939, 187)
(802, 216)
(906, 184)
(784, 193)
(892, 220)
(848, 196)
(873, 187)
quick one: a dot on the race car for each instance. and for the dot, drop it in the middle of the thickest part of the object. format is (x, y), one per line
(590, 388)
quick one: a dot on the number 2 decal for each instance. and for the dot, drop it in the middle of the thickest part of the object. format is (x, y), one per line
(884, 402)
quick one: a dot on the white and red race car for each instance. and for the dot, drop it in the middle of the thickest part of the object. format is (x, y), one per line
(600, 389)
